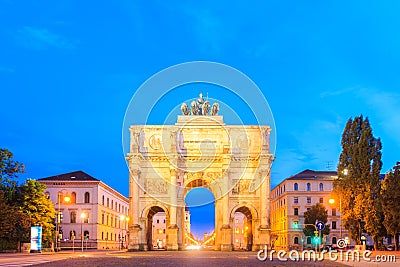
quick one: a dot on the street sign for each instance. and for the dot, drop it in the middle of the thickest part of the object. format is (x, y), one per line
(320, 226)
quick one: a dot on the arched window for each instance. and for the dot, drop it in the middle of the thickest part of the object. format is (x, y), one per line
(72, 234)
(296, 187)
(86, 235)
(308, 187)
(296, 240)
(73, 197)
(73, 217)
(334, 240)
(321, 187)
(87, 197)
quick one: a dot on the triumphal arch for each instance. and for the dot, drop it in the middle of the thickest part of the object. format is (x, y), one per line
(199, 150)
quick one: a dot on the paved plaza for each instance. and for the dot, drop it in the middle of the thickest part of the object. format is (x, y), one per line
(168, 258)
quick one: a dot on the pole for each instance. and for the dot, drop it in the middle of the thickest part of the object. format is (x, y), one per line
(57, 221)
(82, 233)
(340, 216)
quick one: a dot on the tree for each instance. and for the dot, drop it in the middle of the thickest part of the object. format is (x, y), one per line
(317, 213)
(358, 181)
(33, 202)
(9, 170)
(14, 225)
(391, 199)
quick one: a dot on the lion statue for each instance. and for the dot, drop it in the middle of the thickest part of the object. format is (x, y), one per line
(214, 109)
(185, 109)
(195, 109)
(205, 108)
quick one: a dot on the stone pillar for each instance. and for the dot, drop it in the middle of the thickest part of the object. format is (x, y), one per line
(226, 231)
(134, 226)
(264, 228)
(172, 235)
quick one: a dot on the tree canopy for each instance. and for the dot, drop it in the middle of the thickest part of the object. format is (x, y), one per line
(391, 202)
(21, 206)
(317, 213)
(358, 182)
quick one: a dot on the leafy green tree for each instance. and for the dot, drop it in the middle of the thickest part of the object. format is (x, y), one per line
(37, 206)
(9, 170)
(358, 181)
(14, 225)
(317, 213)
(391, 203)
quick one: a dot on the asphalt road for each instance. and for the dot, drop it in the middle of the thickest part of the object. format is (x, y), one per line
(163, 258)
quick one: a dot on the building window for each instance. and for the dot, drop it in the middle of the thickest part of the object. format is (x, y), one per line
(102, 201)
(102, 235)
(102, 218)
(107, 220)
(112, 204)
(308, 240)
(321, 187)
(296, 211)
(163, 231)
(108, 202)
(158, 221)
(116, 206)
(73, 197)
(87, 197)
(296, 187)
(333, 212)
(321, 200)
(119, 208)
(296, 240)
(72, 235)
(334, 240)
(86, 235)
(296, 200)
(308, 209)
(308, 200)
(73, 217)
(86, 219)
(308, 187)
(334, 225)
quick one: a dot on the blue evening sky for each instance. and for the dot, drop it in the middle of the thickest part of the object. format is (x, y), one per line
(68, 70)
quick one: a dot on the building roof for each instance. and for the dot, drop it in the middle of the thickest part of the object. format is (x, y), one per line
(71, 176)
(311, 175)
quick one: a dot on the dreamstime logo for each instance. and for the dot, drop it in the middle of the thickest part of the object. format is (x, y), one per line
(176, 142)
(311, 255)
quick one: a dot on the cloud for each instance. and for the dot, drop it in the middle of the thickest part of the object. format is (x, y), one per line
(41, 39)
(338, 92)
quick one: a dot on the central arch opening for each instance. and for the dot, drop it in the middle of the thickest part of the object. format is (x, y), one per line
(156, 236)
(200, 212)
(243, 229)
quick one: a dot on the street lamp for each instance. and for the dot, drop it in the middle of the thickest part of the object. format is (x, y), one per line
(124, 220)
(83, 216)
(58, 219)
